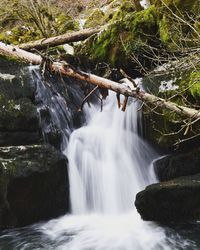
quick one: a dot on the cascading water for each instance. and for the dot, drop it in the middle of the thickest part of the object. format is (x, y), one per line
(108, 164)
(108, 161)
(56, 109)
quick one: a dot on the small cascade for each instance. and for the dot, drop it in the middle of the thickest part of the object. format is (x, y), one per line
(57, 107)
(109, 162)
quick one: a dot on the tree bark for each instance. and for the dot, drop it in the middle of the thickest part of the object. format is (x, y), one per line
(101, 82)
(125, 90)
(59, 40)
(19, 54)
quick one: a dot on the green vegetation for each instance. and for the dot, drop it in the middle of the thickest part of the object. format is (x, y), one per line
(134, 39)
(23, 21)
(95, 19)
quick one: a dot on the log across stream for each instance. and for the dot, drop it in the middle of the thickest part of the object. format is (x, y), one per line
(61, 68)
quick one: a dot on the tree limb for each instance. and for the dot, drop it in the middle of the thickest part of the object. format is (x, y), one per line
(59, 40)
(67, 70)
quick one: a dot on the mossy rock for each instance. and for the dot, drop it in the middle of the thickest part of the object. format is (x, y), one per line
(178, 164)
(172, 201)
(125, 8)
(127, 35)
(176, 5)
(163, 127)
(96, 18)
(175, 22)
(17, 91)
(166, 130)
(33, 185)
(20, 22)
(193, 80)
(66, 23)
(19, 115)
(16, 86)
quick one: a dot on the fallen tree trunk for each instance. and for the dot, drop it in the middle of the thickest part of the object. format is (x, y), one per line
(101, 82)
(19, 54)
(59, 40)
(125, 90)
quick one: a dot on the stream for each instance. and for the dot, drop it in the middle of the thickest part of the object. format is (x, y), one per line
(109, 163)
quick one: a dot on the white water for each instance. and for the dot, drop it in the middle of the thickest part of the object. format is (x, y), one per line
(108, 162)
(108, 165)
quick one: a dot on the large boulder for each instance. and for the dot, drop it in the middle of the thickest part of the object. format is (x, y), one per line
(177, 200)
(128, 33)
(33, 185)
(177, 165)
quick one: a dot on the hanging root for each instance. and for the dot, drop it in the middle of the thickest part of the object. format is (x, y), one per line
(118, 100)
(86, 98)
(125, 103)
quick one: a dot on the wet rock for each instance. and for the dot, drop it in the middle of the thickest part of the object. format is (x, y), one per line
(34, 184)
(177, 200)
(19, 138)
(177, 165)
(54, 137)
(15, 80)
(20, 115)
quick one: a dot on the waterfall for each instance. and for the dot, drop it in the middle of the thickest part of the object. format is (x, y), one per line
(56, 107)
(108, 162)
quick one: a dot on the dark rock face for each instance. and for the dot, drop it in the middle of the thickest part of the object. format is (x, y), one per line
(177, 165)
(34, 184)
(8, 138)
(18, 115)
(177, 200)
(33, 176)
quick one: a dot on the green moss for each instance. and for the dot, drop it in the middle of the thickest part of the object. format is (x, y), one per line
(176, 5)
(131, 34)
(164, 27)
(125, 8)
(162, 127)
(194, 82)
(95, 19)
(20, 23)
(172, 29)
(19, 34)
(65, 22)
(18, 115)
